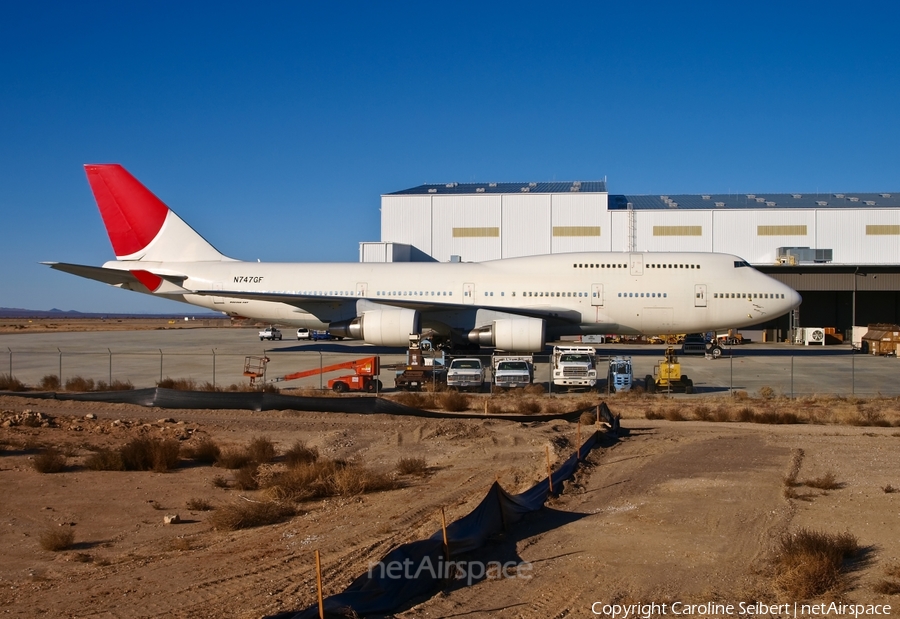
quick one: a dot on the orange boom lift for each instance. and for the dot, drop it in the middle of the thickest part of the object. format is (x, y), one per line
(364, 378)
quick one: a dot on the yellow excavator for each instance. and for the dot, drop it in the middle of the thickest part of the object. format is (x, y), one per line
(667, 375)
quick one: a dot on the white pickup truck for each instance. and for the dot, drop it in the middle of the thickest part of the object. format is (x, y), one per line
(269, 333)
(573, 366)
(510, 372)
(465, 374)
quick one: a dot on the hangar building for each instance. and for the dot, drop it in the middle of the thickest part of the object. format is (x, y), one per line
(841, 251)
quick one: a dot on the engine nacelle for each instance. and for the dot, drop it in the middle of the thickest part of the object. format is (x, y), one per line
(512, 334)
(380, 327)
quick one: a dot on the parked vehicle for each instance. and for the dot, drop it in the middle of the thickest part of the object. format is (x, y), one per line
(269, 333)
(699, 344)
(420, 369)
(573, 366)
(321, 335)
(465, 374)
(667, 375)
(303, 333)
(620, 375)
(510, 372)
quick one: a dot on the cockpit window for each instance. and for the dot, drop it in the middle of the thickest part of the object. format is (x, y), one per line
(741, 263)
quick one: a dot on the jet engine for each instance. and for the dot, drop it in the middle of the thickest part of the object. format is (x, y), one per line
(380, 327)
(513, 334)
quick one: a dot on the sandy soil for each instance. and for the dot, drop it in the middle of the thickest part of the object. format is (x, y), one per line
(45, 325)
(683, 511)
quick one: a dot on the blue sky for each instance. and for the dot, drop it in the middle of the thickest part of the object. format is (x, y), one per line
(274, 128)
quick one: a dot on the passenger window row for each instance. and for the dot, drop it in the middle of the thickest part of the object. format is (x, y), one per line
(747, 295)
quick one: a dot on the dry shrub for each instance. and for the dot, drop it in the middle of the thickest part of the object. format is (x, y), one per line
(415, 399)
(893, 570)
(299, 454)
(246, 477)
(199, 505)
(105, 460)
(219, 482)
(57, 539)
(721, 414)
(8, 382)
(246, 515)
(588, 418)
(529, 407)
(146, 454)
(412, 466)
(326, 478)
(825, 482)
(652, 414)
(534, 389)
(261, 449)
(50, 382)
(497, 407)
(79, 383)
(453, 401)
(233, 458)
(889, 489)
(179, 384)
(808, 563)
(205, 450)
(552, 407)
(49, 460)
(703, 413)
(766, 393)
(208, 386)
(745, 414)
(116, 385)
(887, 587)
(674, 414)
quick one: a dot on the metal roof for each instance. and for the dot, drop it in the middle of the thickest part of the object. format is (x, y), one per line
(476, 188)
(757, 201)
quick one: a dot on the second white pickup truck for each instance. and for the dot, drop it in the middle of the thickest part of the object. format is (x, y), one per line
(269, 333)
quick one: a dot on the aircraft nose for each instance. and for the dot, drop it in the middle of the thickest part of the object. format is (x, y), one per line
(795, 298)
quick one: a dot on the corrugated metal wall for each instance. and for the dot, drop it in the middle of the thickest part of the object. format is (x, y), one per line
(525, 225)
(407, 219)
(466, 226)
(579, 222)
(865, 236)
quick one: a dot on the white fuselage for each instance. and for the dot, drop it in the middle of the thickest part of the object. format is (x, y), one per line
(577, 293)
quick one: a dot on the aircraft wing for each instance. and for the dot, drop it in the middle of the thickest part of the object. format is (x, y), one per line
(308, 302)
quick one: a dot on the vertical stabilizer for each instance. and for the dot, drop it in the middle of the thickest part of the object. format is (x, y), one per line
(140, 226)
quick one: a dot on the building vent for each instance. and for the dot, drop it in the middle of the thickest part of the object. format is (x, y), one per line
(575, 188)
(705, 196)
(797, 255)
(751, 196)
(532, 184)
(870, 202)
(525, 189)
(770, 203)
(432, 190)
(673, 204)
(885, 195)
(479, 190)
(821, 203)
(576, 184)
(664, 198)
(838, 195)
(797, 195)
(720, 204)
(492, 184)
(760, 200)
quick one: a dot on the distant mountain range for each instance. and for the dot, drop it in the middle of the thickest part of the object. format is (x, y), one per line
(13, 312)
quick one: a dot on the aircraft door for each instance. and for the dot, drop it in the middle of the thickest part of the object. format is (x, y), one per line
(637, 264)
(699, 295)
(361, 288)
(469, 294)
(218, 300)
(597, 294)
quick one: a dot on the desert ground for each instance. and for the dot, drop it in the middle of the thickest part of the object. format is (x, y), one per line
(685, 511)
(690, 505)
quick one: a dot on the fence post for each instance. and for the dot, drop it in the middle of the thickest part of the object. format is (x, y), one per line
(160, 363)
(852, 368)
(110, 365)
(60, 368)
(10, 361)
(792, 376)
(320, 371)
(214, 368)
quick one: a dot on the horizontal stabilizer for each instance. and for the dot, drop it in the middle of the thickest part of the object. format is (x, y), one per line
(138, 280)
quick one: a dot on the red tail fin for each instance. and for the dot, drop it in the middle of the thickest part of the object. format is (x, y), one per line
(132, 214)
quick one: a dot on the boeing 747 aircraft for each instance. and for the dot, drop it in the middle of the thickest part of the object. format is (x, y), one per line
(515, 304)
